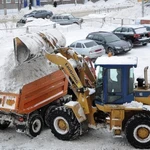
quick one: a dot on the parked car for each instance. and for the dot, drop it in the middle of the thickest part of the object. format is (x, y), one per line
(88, 48)
(66, 19)
(39, 14)
(110, 41)
(133, 34)
(23, 21)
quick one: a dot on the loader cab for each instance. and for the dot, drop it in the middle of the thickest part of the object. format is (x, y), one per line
(115, 80)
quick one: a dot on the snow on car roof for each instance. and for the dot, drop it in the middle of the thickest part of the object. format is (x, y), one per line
(84, 40)
(133, 26)
(115, 60)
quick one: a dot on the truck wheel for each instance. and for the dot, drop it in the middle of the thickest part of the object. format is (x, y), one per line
(35, 125)
(138, 131)
(64, 124)
(47, 115)
(4, 125)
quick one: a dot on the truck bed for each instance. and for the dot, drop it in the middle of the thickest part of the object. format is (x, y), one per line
(35, 94)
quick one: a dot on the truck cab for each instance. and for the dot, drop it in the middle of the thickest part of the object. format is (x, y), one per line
(115, 80)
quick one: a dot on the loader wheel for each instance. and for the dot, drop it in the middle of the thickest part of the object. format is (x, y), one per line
(35, 125)
(138, 131)
(64, 124)
(4, 125)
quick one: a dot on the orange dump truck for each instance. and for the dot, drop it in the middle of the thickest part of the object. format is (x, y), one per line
(28, 110)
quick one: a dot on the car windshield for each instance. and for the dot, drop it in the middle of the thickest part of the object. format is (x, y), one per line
(90, 44)
(33, 12)
(111, 38)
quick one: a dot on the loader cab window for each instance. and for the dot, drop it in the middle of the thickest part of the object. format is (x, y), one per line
(114, 85)
(99, 83)
(131, 81)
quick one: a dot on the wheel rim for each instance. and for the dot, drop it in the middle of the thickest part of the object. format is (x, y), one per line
(48, 17)
(142, 133)
(61, 125)
(36, 126)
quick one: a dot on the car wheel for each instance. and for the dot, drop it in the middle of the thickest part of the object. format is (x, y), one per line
(48, 16)
(144, 44)
(131, 43)
(111, 51)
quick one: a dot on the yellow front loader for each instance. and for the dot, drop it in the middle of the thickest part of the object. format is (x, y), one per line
(112, 98)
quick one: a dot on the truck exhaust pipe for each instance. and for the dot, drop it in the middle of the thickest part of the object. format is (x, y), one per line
(146, 77)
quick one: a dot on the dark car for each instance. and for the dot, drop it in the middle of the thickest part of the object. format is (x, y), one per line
(39, 14)
(133, 34)
(23, 21)
(66, 19)
(110, 41)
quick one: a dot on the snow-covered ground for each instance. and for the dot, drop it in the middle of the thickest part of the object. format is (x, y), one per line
(101, 139)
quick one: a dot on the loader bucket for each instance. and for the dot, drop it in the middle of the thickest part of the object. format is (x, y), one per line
(30, 46)
(22, 53)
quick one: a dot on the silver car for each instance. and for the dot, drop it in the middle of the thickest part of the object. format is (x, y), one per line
(39, 14)
(88, 48)
(66, 19)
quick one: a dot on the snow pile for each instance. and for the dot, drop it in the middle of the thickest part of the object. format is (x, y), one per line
(133, 104)
(14, 77)
(34, 21)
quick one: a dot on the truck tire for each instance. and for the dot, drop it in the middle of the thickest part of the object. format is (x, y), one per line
(47, 115)
(64, 124)
(138, 131)
(4, 125)
(35, 125)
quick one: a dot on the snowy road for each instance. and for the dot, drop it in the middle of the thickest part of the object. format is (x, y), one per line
(100, 139)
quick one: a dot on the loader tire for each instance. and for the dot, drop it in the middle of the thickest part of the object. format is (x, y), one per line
(35, 125)
(4, 125)
(64, 124)
(138, 131)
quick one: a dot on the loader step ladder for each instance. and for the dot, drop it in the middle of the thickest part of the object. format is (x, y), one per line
(116, 118)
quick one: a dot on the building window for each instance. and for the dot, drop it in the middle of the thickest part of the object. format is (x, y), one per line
(16, 1)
